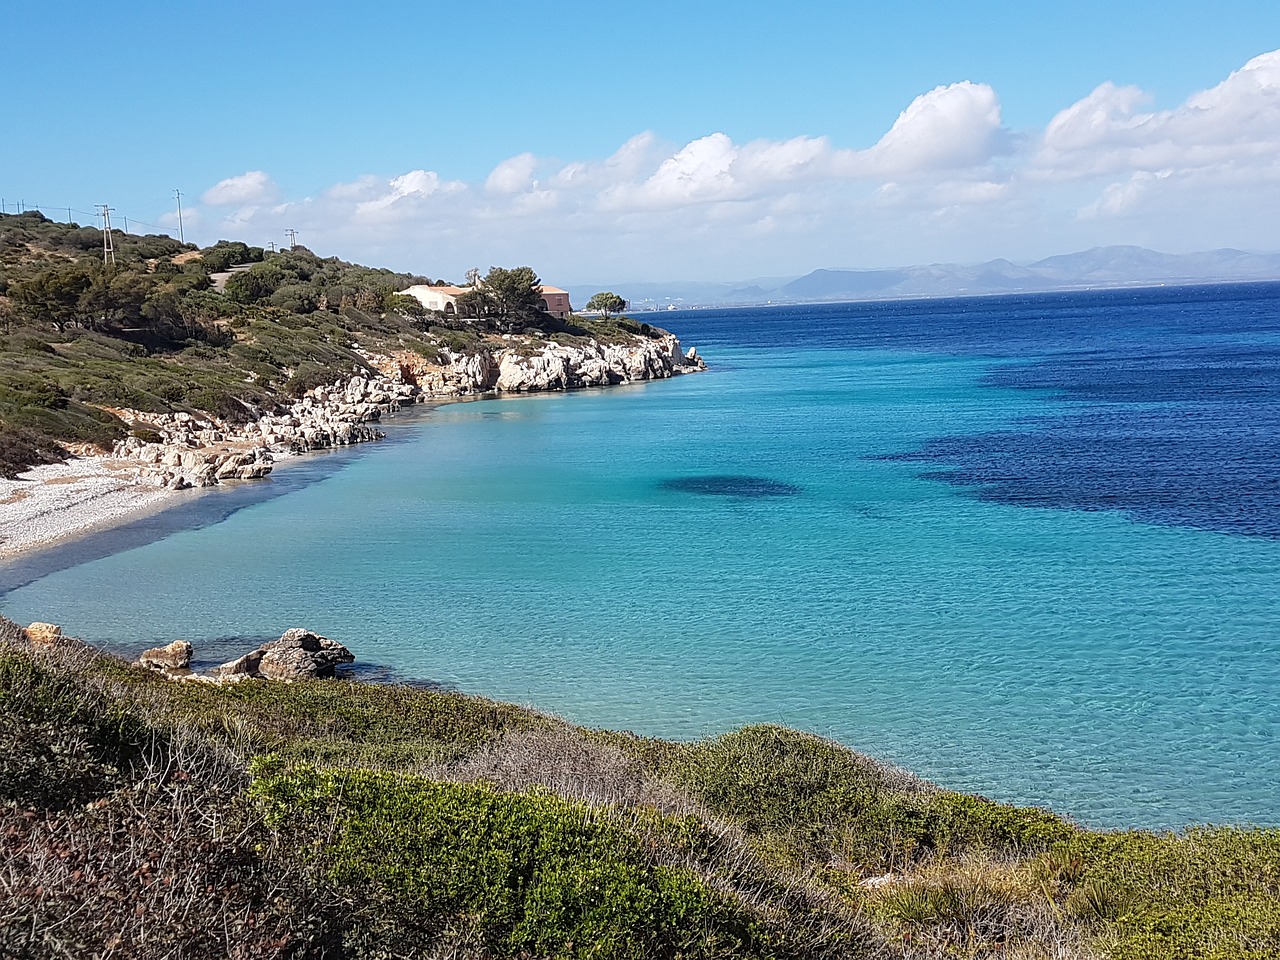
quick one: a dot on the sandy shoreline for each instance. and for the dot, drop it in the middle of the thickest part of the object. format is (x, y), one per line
(63, 501)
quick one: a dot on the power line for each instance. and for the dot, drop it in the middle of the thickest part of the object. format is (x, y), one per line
(21, 206)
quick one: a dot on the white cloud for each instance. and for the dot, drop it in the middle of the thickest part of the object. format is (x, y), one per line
(404, 192)
(1236, 122)
(948, 180)
(513, 176)
(699, 171)
(946, 128)
(1123, 198)
(253, 187)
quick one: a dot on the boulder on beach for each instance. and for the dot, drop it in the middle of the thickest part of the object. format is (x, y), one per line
(298, 655)
(172, 656)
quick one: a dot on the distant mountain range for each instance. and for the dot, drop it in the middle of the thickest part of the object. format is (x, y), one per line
(1115, 266)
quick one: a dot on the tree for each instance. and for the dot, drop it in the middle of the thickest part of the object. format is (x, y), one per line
(516, 292)
(607, 303)
(475, 304)
(53, 295)
(257, 283)
(410, 307)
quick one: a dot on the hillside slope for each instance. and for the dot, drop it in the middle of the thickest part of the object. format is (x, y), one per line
(142, 816)
(88, 350)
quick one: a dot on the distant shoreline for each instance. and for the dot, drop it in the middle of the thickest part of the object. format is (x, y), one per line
(1136, 286)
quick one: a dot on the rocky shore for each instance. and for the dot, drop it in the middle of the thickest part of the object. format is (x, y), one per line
(178, 451)
(297, 655)
(524, 367)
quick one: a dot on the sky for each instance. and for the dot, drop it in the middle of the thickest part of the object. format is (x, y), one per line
(603, 142)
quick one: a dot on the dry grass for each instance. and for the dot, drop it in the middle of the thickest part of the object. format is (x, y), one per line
(565, 761)
(988, 906)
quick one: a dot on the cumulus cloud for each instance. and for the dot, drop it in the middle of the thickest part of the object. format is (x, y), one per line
(1119, 199)
(947, 180)
(699, 171)
(514, 175)
(948, 127)
(252, 187)
(403, 191)
(1236, 122)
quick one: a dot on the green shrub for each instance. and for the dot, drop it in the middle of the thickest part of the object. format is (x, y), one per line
(811, 801)
(30, 344)
(529, 874)
(1211, 892)
(31, 390)
(309, 376)
(60, 742)
(21, 449)
(220, 403)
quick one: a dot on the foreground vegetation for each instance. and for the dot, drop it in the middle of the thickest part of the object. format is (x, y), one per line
(151, 332)
(145, 817)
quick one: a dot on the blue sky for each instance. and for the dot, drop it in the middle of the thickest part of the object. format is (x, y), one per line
(660, 140)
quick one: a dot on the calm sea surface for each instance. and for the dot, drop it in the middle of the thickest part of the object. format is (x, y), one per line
(1025, 546)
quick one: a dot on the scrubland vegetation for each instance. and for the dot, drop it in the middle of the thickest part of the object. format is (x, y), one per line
(146, 817)
(150, 332)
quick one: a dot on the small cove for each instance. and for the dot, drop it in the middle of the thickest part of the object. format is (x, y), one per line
(768, 541)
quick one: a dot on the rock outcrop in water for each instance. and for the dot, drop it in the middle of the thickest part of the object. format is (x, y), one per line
(298, 655)
(46, 635)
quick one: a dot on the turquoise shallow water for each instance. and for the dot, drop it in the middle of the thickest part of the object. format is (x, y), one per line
(533, 549)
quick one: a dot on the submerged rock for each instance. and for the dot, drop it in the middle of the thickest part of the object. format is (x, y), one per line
(741, 487)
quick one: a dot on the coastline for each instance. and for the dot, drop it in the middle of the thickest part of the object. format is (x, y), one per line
(57, 502)
(93, 491)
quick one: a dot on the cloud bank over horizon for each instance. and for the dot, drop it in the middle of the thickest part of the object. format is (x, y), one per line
(949, 180)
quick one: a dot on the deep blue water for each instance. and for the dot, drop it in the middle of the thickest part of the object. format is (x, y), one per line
(1027, 546)
(1173, 395)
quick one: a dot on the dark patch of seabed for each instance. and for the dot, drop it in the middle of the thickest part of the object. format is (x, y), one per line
(743, 487)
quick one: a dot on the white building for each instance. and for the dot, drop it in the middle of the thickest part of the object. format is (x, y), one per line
(445, 299)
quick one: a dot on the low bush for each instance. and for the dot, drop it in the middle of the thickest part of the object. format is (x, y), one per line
(529, 874)
(811, 802)
(309, 376)
(1211, 892)
(21, 449)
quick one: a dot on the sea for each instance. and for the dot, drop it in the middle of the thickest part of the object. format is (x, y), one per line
(1026, 546)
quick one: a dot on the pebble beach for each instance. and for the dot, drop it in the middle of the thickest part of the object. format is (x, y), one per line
(59, 501)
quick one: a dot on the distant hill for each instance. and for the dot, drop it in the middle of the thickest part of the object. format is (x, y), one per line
(1112, 266)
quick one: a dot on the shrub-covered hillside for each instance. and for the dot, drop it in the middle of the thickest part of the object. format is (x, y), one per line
(145, 817)
(152, 332)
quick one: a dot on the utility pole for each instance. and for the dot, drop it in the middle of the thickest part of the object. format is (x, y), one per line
(292, 234)
(126, 223)
(271, 246)
(68, 214)
(177, 195)
(108, 249)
